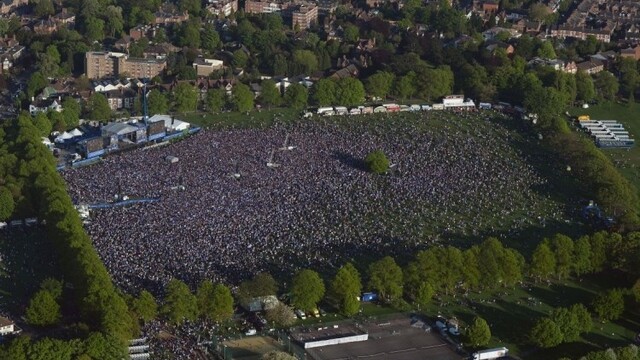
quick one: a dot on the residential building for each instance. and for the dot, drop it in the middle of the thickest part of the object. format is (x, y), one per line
(222, 7)
(169, 15)
(327, 6)
(10, 51)
(304, 15)
(45, 27)
(591, 66)
(603, 35)
(65, 18)
(204, 67)
(39, 105)
(123, 98)
(490, 6)
(633, 53)
(9, 6)
(264, 7)
(6, 326)
(109, 64)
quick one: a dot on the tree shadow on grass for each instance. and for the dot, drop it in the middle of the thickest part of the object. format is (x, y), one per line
(558, 295)
(349, 160)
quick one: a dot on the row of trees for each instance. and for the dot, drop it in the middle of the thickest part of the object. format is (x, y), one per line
(487, 266)
(38, 190)
(562, 325)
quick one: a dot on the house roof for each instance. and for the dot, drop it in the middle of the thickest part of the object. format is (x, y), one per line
(5, 322)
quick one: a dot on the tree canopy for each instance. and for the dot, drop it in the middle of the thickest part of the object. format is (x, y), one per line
(307, 289)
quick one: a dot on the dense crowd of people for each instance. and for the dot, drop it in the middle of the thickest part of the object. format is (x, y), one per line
(449, 175)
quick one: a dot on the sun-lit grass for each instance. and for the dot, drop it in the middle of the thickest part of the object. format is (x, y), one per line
(628, 161)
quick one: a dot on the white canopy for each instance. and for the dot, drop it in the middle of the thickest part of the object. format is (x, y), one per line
(76, 132)
(62, 137)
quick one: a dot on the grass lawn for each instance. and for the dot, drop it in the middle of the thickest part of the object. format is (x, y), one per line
(628, 161)
(511, 313)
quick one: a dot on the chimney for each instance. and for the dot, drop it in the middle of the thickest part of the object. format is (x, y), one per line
(173, 120)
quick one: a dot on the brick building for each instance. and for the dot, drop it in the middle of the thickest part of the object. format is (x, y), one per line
(304, 15)
(104, 64)
(222, 7)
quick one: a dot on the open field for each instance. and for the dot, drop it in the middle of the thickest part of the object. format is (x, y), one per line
(627, 161)
(458, 178)
(251, 348)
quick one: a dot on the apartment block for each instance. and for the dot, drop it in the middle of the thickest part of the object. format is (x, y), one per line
(304, 15)
(107, 64)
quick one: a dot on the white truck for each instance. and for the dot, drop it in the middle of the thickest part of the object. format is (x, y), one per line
(490, 354)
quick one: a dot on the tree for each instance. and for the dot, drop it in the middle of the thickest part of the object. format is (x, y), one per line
(351, 33)
(385, 276)
(585, 88)
(36, 82)
(583, 317)
(216, 98)
(350, 92)
(610, 305)
(424, 294)
(606, 85)
(546, 50)
(296, 96)
(210, 38)
(377, 162)
(240, 58)
(263, 284)
(49, 62)
(404, 86)
(71, 111)
(43, 310)
(270, 94)
(379, 84)
(98, 107)
(145, 306)
(44, 8)
(157, 102)
(94, 29)
(222, 303)
(278, 355)
(114, 21)
(582, 256)
(190, 35)
(53, 286)
(179, 303)
(186, 97)
(192, 6)
(304, 62)
(281, 315)
(539, 12)
(563, 250)
(543, 262)
(42, 123)
(307, 289)
(567, 321)
(635, 289)
(242, 98)
(346, 288)
(546, 333)
(478, 334)
(324, 92)
(7, 204)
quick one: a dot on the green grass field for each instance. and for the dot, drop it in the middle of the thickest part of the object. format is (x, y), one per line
(628, 161)
(512, 312)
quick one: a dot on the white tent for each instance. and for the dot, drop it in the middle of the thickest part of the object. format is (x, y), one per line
(76, 132)
(62, 137)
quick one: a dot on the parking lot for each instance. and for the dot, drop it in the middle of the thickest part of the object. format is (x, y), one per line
(394, 339)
